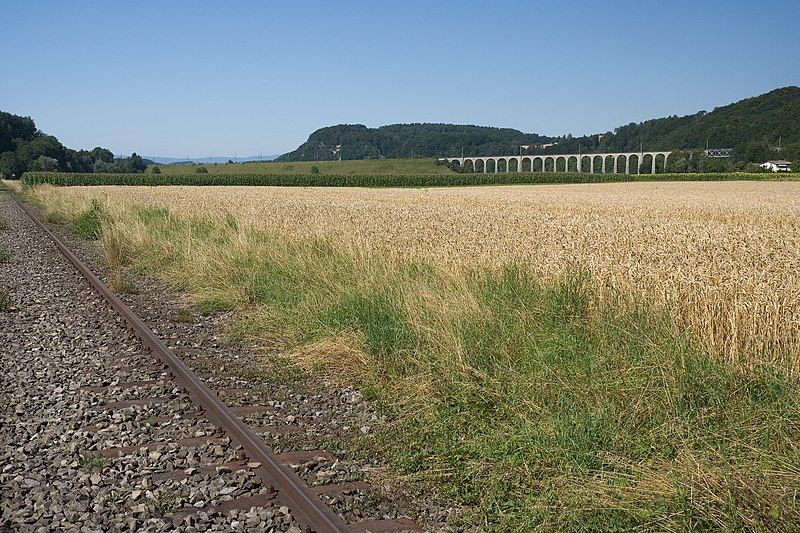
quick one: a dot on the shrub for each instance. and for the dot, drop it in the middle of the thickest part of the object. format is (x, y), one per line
(315, 169)
(92, 461)
(155, 170)
(201, 170)
(5, 255)
(88, 225)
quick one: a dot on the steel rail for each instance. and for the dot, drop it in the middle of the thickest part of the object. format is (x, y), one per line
(306, 507)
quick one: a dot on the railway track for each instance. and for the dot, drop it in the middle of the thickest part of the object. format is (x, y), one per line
(151, 413)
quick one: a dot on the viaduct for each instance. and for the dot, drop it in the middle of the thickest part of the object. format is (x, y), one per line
(583, 162)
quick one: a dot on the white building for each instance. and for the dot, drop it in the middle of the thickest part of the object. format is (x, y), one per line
(777, 166)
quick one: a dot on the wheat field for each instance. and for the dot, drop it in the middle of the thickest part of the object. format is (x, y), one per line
(556, 404)
(723, 257)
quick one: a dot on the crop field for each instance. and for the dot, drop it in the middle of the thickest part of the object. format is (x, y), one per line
(354, 179)
(725, 267)
(555, 356)
(368, 166)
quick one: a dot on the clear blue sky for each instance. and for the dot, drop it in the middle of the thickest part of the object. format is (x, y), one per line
(201, 78)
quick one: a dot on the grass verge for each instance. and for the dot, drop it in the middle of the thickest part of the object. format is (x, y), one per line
(536, 405)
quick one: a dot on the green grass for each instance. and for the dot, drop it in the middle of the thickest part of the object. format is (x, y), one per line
(373, 180)
(5, 255)
(88, 225)
(368, 166)
(166, 502)
(5, 300)
(92, 461)
(545, 410)
(533, 404)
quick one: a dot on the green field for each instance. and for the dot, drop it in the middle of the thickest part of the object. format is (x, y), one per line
(452, 179)
(366, 166)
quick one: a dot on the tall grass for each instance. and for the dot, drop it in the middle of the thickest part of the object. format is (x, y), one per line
(539, 405)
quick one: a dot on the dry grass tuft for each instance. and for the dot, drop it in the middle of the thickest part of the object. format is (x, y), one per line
(339, 355)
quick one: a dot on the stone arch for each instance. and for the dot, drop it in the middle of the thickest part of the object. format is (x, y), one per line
(596, 164)
(527, 165)
(647, 164)
(501, 164)
(661, 164)
(608, 163)
(634, 162)
(479, 165)
(537, 165)
(512, 164)
(491, 165)
(572, 163)
(585, 161)
(620, 164)
(469, 165)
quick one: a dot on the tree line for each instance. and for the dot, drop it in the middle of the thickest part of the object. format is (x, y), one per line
(24, 148)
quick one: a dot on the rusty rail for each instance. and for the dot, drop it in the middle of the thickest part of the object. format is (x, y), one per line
(306, 507)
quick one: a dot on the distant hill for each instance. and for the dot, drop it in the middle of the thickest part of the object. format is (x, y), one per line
(356, 141)
(752, 127)
(209, 159)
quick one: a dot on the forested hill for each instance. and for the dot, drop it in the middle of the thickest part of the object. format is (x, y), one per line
(752, 127)
(356, 141)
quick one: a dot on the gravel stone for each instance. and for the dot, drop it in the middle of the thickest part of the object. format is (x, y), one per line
(62, 338)
(58, 340)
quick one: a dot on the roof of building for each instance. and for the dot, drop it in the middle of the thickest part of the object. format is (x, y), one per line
(780, 162)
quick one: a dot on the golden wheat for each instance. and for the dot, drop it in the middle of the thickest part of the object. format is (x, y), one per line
(722, 256)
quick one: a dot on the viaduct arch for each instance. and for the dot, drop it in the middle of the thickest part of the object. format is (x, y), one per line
(590, 163)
